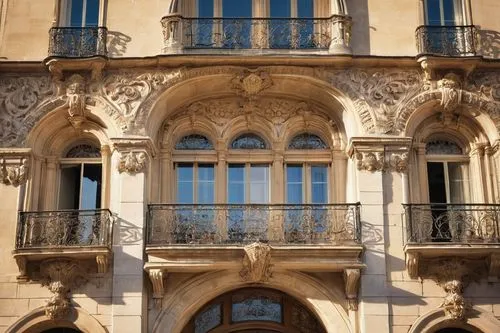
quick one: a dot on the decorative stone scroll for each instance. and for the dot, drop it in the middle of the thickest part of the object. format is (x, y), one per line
(76, 100)
(134, 154)
(157, 277)
(256, 263)
(370, 161)
(60, 276)
(351, 280)
(381, 154)
(14, 173)
(132, 162)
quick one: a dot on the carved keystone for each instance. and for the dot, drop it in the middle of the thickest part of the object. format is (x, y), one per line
(351, 280)
(256, 263)
(60, 276)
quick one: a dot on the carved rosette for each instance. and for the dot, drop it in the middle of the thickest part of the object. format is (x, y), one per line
(132, 162)
(60, 276)
(256, 263)
(351, 280)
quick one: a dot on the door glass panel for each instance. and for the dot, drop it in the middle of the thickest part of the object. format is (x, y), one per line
(294, 184)
(236, 184)
(206, 8)
(279, 28)
(92, 13)
(76, 11)
(206, 183)
(259, 184)
(305, 32)
(319, 184)
(448, 12)
(457, 178)
(437, 186)
(69, 192)
(91, 186)
(185, 174)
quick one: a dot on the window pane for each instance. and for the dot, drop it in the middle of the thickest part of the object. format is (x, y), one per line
(433, 12)
(248, 141)
(206, 8)
(280, 8)
(69, 192)
(206, 183)
(194, 142)
(236, 184)
(305, 8)
(92, 13)
(259, 184)
(458, 177)
(185, 183)
(237, 8)
(294, 184)
(319, 185)
(91, 186)
(75, 11)
(449, 12)
(437, 188)
(208, 319)
(236, 33)
(256, 308)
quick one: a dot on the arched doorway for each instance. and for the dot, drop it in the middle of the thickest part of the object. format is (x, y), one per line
(254, 310)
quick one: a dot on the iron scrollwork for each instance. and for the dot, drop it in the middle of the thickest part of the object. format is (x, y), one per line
(451, 41)
(77, 42)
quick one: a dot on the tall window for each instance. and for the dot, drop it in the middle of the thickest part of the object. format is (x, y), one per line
(81, 178)
(291, 25)
(81, 13)
(248, 183)
(306, 183)
(444, 12)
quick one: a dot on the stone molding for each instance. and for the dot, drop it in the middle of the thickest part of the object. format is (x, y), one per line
(380, 153)
(257, 265)
(14, 166)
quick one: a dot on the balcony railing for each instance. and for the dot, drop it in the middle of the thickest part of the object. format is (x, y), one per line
(453, 223)
(242, 224)
(77, 42)
(256, 33)
(449, 41)
(68, 228)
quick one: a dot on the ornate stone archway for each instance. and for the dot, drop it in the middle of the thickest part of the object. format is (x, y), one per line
(183, 303)
(37, 321)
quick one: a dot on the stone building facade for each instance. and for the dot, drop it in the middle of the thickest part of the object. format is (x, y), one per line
(249, 166)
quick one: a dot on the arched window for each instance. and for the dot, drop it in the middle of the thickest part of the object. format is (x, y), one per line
(307, 141)
(81, 178)
(255, 310)
(248, 141)
(194, 142)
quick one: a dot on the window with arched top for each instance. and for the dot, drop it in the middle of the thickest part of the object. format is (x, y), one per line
(194, 142)
(307, 141)
(80, 183)
(249, 141)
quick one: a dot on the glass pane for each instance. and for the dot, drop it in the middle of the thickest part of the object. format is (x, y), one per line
(208, 319)
(319, 185)
(91, 186)
(305, 8)
(457, 177)
(449, 12)
(280, 27)
(256, 308)
(442, 147)
(83, 151)
(236, 184)
(294, 184)
(206, 183)
(305, 29)
(69, 192)
(185, 183)
(437, 187)
(433, 15)
(307, 141)
(248, 141)
(92, 13)
(259, 184)
(206, 8)
(75, 9)
(194, 142)
(237, 8)
(237, 32)
(280, 8)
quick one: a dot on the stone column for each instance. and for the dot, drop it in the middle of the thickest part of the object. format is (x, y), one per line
(166, 168)
(49, 199)
(130, 164)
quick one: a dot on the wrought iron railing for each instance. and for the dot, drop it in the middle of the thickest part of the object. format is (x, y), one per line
(256, 33)
(65, 228)
(450, 41)
(457, 223)
(77, 42)
(242, 224)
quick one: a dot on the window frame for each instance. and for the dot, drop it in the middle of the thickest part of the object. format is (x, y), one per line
(307, 182)
(247, 182)
(464, 160)
(461, 14)
(63, 14)
(195, 165)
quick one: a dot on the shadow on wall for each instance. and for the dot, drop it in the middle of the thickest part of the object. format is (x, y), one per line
(117, 43)
(360, 41)
(489, 44)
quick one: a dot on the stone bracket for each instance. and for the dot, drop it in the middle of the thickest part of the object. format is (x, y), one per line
(351, 280)
(14, 166)
(157, 277)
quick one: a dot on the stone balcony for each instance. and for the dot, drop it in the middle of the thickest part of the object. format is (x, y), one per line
(259, 35)
(70, 42)
(461, 231)
(83, 237)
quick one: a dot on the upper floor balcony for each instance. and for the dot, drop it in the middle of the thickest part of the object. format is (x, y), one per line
(70, 234)
(77, 42)
(447, 41)
(458, 230)
(203, 237)
(197, 35)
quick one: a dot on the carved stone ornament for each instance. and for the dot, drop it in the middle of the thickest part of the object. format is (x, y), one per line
(157, 277)
(351, 280)
(454, 303)
(132, 162)
(76, 100)
(370, 161)
(398, 162)
(14, 172)
(250, 83)
(451, 93)
(60, 276)
(256, 263)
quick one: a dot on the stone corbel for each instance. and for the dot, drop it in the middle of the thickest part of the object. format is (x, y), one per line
(412, 262)
(60, 276)
(157, 277)
(102, 264)
(351, 280)
(134, 153)
(14, 167)
(381, 154)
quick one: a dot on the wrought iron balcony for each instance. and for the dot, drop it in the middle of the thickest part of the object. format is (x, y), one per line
(331, 33)
(452, 223)
(448, 41)
(77, 42)
(242, 224)
(67, 228)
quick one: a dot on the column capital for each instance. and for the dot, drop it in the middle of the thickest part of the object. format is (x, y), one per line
(134, 153)
(14, 166)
